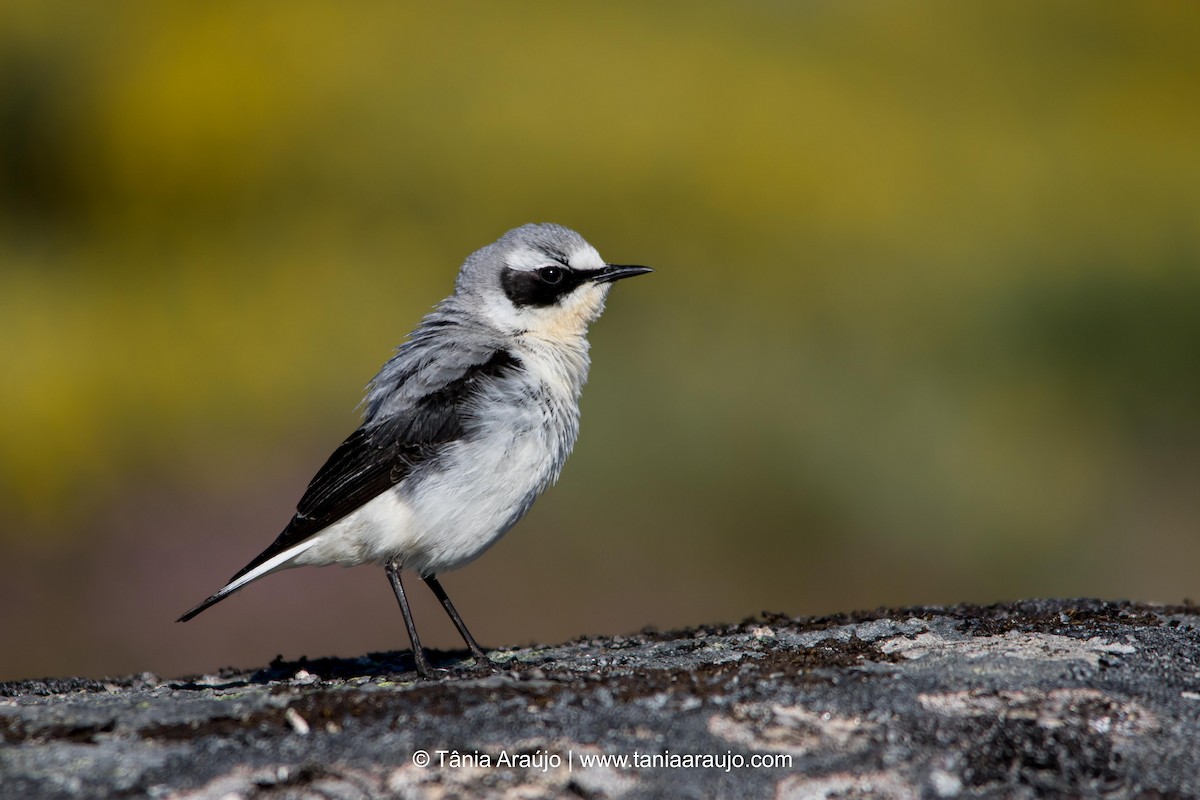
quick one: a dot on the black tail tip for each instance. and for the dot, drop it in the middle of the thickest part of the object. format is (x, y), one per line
(188, 615)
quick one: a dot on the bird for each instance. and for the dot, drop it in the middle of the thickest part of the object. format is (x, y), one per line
(467, 423)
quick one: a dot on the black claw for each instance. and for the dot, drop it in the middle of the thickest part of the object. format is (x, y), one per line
(484, 666)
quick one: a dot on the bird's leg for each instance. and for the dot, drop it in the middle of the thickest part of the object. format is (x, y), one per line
(480, 657)
(393, 573)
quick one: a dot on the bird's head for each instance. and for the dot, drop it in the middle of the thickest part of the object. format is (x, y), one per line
(544, 280)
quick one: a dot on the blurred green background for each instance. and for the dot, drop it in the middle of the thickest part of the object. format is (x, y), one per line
(925, 326)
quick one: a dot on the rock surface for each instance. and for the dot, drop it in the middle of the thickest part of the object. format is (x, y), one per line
(1034, 699)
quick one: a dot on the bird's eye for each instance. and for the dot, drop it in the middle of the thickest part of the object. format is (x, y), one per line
(551, 275)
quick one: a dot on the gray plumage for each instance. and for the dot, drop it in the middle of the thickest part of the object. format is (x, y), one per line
(470, 420)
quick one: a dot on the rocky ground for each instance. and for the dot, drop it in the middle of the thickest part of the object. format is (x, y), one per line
(1034, 699)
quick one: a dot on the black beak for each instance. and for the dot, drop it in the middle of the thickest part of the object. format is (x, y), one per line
(615, 272)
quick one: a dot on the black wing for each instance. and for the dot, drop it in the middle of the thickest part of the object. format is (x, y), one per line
(380, 454)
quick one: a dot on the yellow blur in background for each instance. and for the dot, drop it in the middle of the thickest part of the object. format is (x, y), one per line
(925, 326)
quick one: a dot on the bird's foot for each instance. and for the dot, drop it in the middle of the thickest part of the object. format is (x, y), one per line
(424, 670)
(480, 664)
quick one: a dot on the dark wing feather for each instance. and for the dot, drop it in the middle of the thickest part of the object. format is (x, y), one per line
(381, 454)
